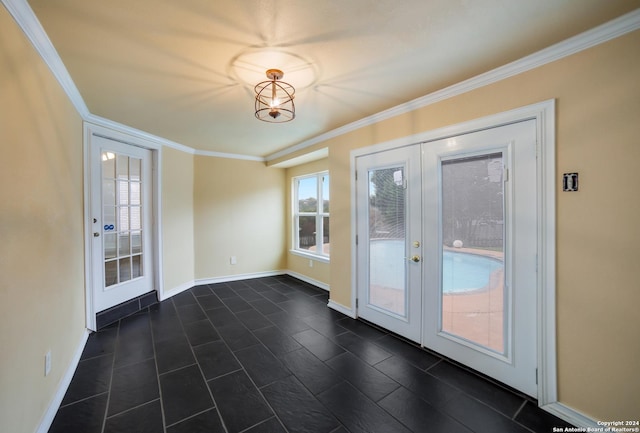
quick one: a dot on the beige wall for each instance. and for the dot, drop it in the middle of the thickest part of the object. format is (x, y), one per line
(320, 271)
(41, 232)
(178, 260)
(598, 107)
(238, 211)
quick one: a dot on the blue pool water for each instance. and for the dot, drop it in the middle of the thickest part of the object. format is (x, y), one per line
(461, 272)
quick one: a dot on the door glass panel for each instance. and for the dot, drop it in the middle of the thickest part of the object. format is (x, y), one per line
(472, 291)
(122, 217)
(387, 263)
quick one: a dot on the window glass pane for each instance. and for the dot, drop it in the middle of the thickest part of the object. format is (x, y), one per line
(109, 218)
(307, 232)
(135, 193)
(123, 192)
(108, 165)
(125, 269)
(136, 242)
(473, 295)
(325, 193)
(325, 233)
(135, 165)
(122, 167)
(123, 247)
(136, 266)
(109, 245)
(110, 273)
(135, 218)
(124, 218)
(308, 195)
(108, 192)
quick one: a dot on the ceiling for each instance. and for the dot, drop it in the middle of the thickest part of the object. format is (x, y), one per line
(185, 70)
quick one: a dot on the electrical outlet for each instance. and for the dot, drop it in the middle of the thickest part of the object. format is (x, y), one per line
(233, 260)
(310, 263)
(47, 363)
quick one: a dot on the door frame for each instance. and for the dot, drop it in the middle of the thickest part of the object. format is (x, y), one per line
(544, 114)
(91, 130)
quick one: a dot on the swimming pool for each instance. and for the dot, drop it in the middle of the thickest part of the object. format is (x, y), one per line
(462, 272)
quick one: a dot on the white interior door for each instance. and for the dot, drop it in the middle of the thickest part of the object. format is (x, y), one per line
(480, 251)
(389, 240)
(121, 194)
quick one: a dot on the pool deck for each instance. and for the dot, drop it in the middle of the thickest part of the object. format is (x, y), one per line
(476, 316)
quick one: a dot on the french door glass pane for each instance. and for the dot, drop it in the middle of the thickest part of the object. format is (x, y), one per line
(122, 217)
(472, 286)
(387, 216)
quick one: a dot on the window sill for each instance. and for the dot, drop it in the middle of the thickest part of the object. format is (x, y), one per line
(319, 258)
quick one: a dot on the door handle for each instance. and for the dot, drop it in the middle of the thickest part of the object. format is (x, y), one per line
(415, 258)
(96, 234)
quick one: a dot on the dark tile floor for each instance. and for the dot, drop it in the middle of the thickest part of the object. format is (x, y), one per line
(268, 355)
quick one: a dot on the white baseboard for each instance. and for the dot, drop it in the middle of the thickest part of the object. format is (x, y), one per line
(341, 309)
(311, 281)
(63, 385)
(237, 277)
(166, 294)
(571, 416)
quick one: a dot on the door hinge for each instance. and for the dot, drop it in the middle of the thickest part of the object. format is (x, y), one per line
(506, 174)
(356, 239)
(356, 302)
(356, 174)
(536, 376)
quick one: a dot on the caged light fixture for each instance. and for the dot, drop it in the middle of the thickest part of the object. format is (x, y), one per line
(274, 99)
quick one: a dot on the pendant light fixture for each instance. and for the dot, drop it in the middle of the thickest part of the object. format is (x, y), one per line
(274, 99)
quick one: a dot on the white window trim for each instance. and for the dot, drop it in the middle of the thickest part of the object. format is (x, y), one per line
(319, 214)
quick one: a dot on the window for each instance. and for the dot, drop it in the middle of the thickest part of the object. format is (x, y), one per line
(311, 214)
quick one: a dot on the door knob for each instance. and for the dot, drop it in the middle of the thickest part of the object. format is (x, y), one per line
(96, 234)
(415, 259)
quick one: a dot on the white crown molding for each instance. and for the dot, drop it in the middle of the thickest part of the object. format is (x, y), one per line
(593, 37)
(26, 19)
(229, 155)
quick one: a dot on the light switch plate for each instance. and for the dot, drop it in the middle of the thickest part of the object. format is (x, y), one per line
(570, 182)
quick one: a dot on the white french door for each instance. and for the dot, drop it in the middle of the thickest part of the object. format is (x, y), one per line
(472, 230)
(389, 240)
(121, 194)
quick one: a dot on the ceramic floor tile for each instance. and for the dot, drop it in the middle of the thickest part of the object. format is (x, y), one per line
(357, 413)
(309, 370)
(261, 365)
(363, 349)
(479, 417)
(239, 402)
(206, 422)
(493, 395)
(133, 385)
(298, 410)
(201, 332)
(318, 344)
(276, 341)
(85, 416)
(142, 419)
(184, 394)
(215, 359)
(367, 379)
(92, 377)
(416, 414)
(421, 383)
